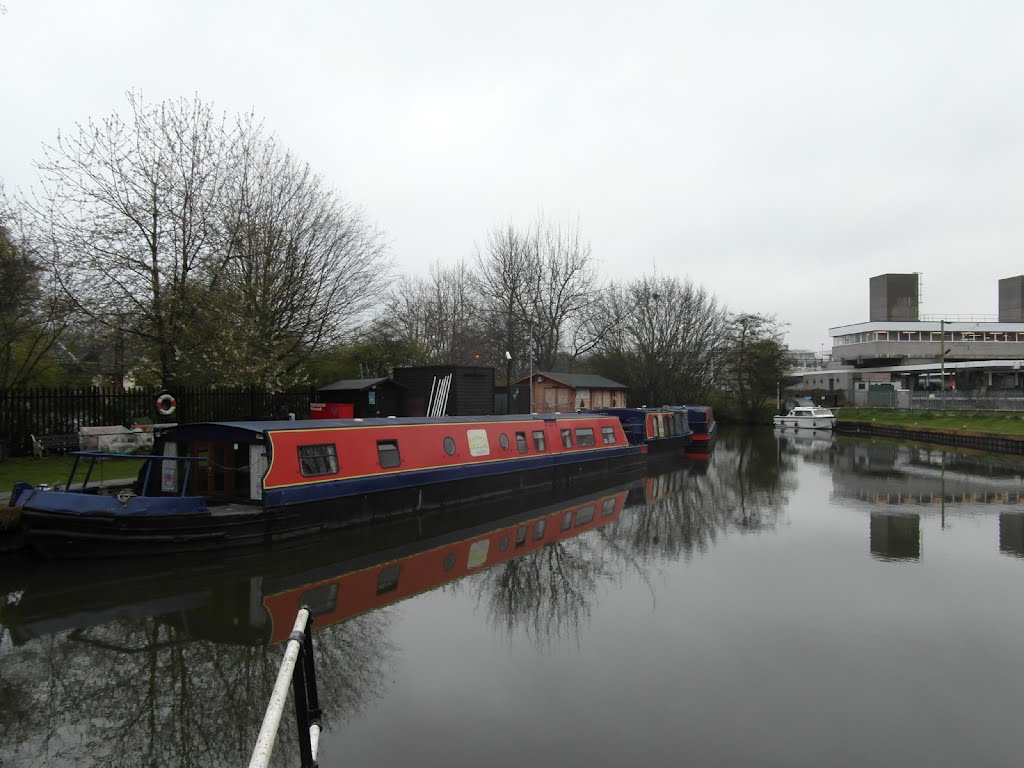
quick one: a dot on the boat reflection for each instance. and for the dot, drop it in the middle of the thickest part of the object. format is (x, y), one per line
(1011, 533)
(253, 600)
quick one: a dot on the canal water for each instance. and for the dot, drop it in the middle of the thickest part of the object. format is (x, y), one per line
(796, 599)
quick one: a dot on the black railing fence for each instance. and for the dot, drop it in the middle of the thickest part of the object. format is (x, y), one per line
(47, 411)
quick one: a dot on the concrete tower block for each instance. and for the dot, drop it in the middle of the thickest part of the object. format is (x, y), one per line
(1011, 300)
(894, 297)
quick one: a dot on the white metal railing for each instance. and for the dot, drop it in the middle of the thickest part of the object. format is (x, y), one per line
(297, 668)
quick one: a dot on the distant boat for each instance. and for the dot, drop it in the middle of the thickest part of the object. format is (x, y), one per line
(660, 429)
(701, 419)
(807, 417)
(214, 485)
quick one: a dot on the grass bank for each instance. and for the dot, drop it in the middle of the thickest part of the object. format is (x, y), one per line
(991, 422)
(55, 469)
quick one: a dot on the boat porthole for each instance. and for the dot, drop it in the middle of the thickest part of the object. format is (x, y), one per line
(503, 439)
(449, 561)
(449, 446)
(814, 423)
(503, 544)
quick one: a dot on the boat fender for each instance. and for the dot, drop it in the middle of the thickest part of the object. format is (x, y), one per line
(166, 404)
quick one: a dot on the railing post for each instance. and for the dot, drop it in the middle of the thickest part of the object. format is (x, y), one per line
(307, 705)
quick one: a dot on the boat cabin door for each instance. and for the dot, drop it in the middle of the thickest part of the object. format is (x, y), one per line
(222, 472)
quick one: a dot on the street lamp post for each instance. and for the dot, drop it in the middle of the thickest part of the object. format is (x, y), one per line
(508, 382)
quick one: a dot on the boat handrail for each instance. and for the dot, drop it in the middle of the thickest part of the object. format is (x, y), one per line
(302, 677)
(132, 456)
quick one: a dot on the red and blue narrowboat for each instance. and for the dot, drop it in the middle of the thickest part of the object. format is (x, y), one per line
(219, 484)
(660, 429)
(702, 421)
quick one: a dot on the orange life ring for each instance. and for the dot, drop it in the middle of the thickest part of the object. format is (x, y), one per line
(166, 404)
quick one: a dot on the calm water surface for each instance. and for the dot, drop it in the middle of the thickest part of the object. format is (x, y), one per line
(796, 600)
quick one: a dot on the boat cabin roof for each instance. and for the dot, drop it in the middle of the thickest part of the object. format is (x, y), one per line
(248, 431)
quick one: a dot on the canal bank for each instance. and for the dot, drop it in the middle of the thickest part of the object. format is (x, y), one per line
(965, 438)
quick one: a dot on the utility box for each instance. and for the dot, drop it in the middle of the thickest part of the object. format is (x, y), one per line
(361, 398)
(470, 391)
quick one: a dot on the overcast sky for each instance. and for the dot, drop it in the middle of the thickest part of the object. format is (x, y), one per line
(777, 153)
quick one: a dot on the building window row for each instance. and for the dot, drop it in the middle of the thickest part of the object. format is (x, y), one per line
(925, 336)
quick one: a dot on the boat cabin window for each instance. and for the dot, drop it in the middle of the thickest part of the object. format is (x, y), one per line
(503, 544)
(567, 520)
(521, 442)
(585, 515)
(608, 435)
(387, 580)
(503, 441)
(521, 535)
(449, 446)
(585, 436)
(608, 507)
(449, 561)
(315, 460)
(567, 438)
(320, 600)
(387, 453)
(655, 427)
(538, 441)
(538, 530)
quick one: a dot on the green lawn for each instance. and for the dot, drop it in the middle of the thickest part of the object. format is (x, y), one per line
(993, 422)
(55, 469)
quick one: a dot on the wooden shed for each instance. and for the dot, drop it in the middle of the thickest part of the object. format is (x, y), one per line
(564, 392)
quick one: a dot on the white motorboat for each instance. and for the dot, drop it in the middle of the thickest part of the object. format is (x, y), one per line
(807, 417)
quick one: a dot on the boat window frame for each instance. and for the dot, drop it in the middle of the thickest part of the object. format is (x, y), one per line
(606, 433)
(539, 441)
(567, 519)
(566, 437)
(608, 507)
(385, 583)
(522, 532)
(521, 445)
(587, 513)
(331, 455)
(388, 444)
(449, 445)
(539, 529)
(585, 437)
(503, 441)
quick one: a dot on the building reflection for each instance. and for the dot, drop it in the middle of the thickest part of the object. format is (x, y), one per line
(1011, 533)
(930, 480)
(895, 537)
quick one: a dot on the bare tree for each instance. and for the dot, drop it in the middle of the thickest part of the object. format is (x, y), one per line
(127, 208)
(439, 313)
(669, 343)
(502, 277)
(296, 269)
(562, 293)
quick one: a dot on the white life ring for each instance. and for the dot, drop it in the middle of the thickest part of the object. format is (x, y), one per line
(166, 404)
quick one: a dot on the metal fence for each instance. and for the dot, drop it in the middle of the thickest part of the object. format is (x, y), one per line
(957, 400)
(49, 411)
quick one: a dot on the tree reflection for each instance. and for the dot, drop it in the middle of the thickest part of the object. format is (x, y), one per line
(146, 692)
(744, 487)
(549, 595)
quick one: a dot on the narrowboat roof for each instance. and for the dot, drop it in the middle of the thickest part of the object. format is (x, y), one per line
(251, 429)
(577, 380)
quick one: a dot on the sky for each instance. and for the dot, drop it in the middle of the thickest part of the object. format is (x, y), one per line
(777, 153)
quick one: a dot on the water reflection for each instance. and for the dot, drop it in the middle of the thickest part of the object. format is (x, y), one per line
(895, 537)
(171, 663)
(1011, 533)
